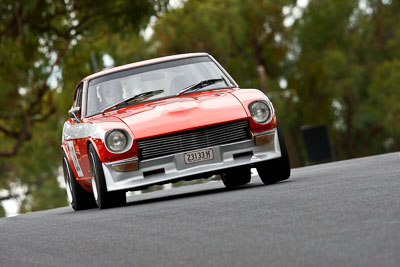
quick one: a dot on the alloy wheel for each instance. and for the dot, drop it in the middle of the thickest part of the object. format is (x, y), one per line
(68, 185)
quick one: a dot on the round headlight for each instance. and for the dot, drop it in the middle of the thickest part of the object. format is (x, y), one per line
(260, 111)
(116, 140)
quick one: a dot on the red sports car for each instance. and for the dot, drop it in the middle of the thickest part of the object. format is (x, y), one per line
(163, 120)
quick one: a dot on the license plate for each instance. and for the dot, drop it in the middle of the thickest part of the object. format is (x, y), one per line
(198, 155)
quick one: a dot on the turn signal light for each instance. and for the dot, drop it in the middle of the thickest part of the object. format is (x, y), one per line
(264, 138)
(126, 167)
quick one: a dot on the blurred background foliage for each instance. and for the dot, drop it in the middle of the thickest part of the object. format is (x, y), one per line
(333, 62)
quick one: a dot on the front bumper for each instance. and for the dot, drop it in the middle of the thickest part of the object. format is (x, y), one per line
(172, 167)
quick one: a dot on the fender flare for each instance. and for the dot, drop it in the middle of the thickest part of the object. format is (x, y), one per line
(91, 141)
(65, 149)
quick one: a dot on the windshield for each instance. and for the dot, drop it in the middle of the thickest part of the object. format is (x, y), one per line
(170, 77)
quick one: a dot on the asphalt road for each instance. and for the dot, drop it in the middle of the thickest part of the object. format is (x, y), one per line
(339, 214)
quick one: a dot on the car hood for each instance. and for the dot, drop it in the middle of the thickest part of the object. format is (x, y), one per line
(181, 113)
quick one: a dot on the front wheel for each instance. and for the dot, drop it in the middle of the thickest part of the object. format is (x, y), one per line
(78, 198)
(104, 199)
(278, 169)
(236, 176)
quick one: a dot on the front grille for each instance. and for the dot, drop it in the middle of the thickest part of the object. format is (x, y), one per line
(194, 139)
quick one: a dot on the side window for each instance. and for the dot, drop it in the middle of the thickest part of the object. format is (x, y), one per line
(78, 98)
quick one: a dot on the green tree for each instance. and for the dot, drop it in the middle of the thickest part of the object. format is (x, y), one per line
(347, 60)
(242, 35)
(44, 51)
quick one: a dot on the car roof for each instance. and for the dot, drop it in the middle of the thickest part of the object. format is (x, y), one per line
(143, 63)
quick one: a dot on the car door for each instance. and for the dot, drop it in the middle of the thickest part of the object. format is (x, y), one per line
(77, 146)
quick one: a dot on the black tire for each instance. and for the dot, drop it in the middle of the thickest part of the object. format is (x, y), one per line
(78, 198)
(104, 199)
(278, 169)
(236, 176)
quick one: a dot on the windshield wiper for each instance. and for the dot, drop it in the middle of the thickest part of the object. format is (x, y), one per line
(199, 85)
(138, 97)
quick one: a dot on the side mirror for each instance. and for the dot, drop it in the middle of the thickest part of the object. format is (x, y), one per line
(75, 113)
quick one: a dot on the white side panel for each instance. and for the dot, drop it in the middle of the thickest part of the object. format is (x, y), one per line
(74, 158)
(81, 130)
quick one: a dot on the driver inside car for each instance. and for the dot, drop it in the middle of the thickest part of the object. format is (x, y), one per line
(110, 92)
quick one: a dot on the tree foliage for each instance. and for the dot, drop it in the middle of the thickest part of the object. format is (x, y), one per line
(36, 37)
(240, 34)
(344, 67)
(45, 50)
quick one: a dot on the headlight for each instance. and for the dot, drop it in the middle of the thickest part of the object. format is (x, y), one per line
(260, 111)
(116, 140)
